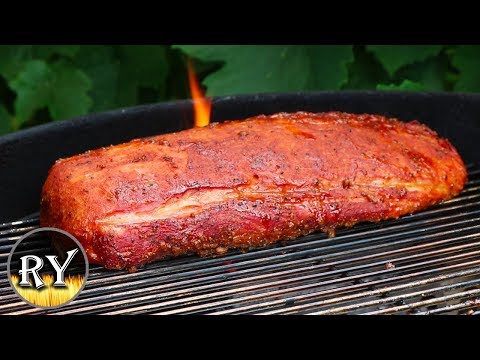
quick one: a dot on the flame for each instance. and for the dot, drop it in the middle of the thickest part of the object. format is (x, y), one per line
(201, 104)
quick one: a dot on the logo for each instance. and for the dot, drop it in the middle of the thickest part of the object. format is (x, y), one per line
(47, 268)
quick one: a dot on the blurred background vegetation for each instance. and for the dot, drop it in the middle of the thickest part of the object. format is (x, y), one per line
(42, 83)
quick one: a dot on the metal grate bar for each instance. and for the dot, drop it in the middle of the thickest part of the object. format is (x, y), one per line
(433, 258)
(467, 305)
(381, 291)
(430, 301)
(190, 282)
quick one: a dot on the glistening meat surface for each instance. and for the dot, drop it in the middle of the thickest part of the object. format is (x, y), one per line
(246, 183)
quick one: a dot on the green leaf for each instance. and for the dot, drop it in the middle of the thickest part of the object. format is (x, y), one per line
(60, 87)
(329, 66)
(44, 52)
(140, 65)
(13, 59)
(69, 92)
(431, 73)
(32, 86)
(252, 69)
(406, 85)
(5, 121)
(393, 57)
(100, 64)
(467, 60)
(366, 71)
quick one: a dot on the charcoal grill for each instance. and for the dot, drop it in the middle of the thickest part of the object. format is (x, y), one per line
(425, 263)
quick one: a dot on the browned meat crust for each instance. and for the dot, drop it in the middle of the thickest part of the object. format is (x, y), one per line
(246, 183)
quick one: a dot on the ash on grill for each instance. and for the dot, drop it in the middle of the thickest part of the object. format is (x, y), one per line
(425, 263)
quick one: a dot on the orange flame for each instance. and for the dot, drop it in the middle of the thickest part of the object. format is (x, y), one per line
(201, 104)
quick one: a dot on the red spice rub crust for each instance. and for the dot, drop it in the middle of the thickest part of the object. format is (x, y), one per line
(246, 183)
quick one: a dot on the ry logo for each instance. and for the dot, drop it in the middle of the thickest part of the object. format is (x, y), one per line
(39, 283)
(46, 267)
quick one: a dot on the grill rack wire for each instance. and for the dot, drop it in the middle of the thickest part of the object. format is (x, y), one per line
(425, 263)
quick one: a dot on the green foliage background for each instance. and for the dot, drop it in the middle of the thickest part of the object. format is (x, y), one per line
(42, 83)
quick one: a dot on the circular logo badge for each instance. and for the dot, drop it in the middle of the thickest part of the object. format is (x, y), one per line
(47, 268)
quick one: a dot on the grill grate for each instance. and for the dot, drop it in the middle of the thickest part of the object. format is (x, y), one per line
(425, 263)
